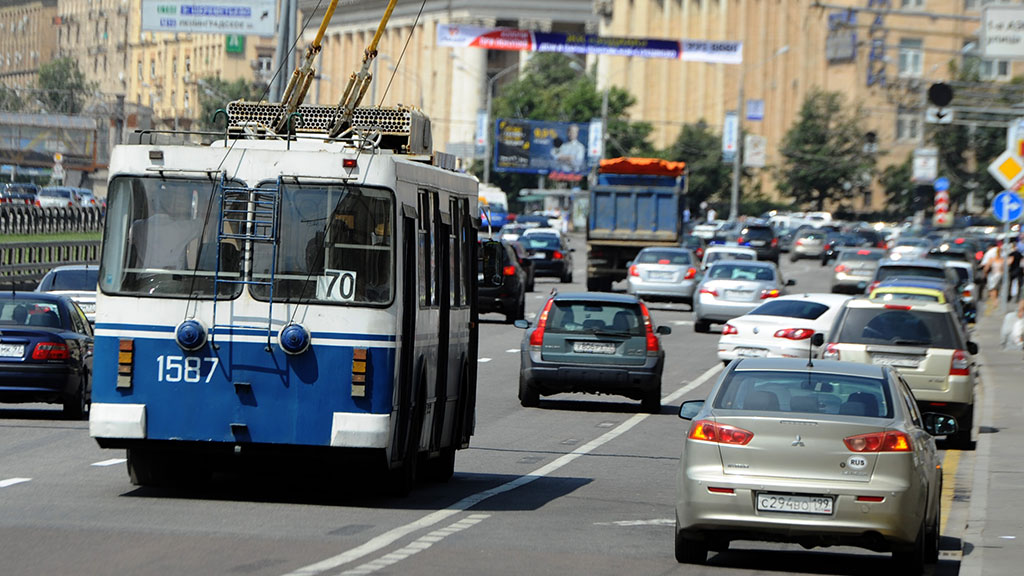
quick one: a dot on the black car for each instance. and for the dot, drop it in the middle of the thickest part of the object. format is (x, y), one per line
(593, 342)
(501, 281)
(760, 237)
(46, 349)
(550, 253)
(523, 255)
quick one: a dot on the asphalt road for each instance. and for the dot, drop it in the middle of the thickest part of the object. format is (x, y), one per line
(580, 485)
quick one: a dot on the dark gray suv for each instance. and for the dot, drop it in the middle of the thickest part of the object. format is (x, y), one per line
(760, 237)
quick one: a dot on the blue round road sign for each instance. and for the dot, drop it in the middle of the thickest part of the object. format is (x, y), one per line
(941, 184)
(1007, 206)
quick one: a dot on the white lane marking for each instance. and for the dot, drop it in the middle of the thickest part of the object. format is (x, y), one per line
(655, 522)
(683, 322)
(417, 546)
(391, 536)
(111, 462)
(512, 350)
(13, 481)
(483, 360)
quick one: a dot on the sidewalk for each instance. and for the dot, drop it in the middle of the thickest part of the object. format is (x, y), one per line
(993, 542)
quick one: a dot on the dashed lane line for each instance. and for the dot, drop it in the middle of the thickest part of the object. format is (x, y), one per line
(386, 539)
(111, 462)
(13, 481)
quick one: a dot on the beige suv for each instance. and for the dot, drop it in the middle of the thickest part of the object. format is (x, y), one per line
(924, 341)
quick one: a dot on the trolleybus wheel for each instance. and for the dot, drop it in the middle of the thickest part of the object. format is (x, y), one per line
(144, 468)
(401, 480)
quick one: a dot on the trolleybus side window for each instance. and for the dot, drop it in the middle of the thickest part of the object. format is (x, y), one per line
(335, 246)
(161, 239)
(454, 251)
(466, 278)
(427, 251)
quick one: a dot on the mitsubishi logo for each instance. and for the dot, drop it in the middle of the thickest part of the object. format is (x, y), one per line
(798, 442)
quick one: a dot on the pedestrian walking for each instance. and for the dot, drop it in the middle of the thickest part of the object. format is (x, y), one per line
(994, 270)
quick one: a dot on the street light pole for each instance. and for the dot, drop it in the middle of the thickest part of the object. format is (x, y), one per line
(488, 137)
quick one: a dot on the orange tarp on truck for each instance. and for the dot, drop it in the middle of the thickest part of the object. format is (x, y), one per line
(651, 166)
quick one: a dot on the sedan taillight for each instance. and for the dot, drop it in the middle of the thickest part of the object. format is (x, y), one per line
(840, 268)
(710, 291)
(557, 255)
(690, 274)
(633, 271)
(509, 270)
(729, 329)
(890, 441)
(794, 333)
(959, 365)
(537, 336)
(652, 339)
(773, 293)
(51, 351)
(708, 431)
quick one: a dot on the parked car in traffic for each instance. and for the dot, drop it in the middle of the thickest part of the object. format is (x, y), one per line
(854, 269)
(58, 197)
(732, 288)
(822, 454)
(76, 281)
(501, 281)
(760, 237)
(550, 253)
(780, 328)
(46, 350)
(807, 243)
(715, 253)
(595, 343)
(924, 341)
(664, 274)
(18, 193)
(523, 256)
(696, 244)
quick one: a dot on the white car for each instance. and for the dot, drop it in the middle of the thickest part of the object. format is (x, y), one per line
(715, 253)
(780, 328)
(76, 281)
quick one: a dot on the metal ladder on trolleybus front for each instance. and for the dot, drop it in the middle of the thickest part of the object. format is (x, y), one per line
(248, 216)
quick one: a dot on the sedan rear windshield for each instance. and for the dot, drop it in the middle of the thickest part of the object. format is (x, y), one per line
(805, 392)
(70, 280)
(863, 255)
(541, 241)
(24, 312)
(760, 233)
(791, 309)
(601, 317)
(740, 272)
(886, 272)
(897, 326)
(678, 257)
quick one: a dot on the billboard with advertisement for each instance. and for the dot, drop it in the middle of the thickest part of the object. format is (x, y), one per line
(555, 149)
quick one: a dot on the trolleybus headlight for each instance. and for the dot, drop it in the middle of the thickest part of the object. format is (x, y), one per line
(294, 338)
(191, 335)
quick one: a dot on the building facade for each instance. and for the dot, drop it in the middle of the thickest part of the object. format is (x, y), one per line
(27, 40)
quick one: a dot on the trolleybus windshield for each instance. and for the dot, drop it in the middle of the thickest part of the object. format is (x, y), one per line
(335, 246)
(161, 239)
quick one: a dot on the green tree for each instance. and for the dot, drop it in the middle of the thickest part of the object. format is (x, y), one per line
(9, 100)
(215, 93)
(899, 190)
(63, 87)
(710, 178)
(552, 88)
(823, 154)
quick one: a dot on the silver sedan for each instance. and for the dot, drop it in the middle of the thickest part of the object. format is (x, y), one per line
(834, 453)
(733, 288)
(664, 273)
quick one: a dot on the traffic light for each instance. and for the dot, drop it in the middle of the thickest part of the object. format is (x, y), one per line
(922, 197)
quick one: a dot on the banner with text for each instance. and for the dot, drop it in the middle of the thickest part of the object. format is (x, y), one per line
(459, 36)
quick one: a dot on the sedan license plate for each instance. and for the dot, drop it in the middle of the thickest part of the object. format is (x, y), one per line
(895, 360)
(593, 347)
(12, 350)
(751, 352)
(739, 295)
(659, 275)
(798, 504)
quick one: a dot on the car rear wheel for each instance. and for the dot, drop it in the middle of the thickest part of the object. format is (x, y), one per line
(566, 276)
(519, 313)
(689, 551)
(701, 326)
(651, 402)
(76, 406)
(528, 397)
(962, 439)
(933, 536)
(910, 561)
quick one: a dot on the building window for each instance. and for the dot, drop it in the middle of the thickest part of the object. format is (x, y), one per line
(188, 99)
(140, 69)
(908, 126)
(911, 57)
(152, 68)
(994, 69)
(188, 64)
(911, 3)
(174, 67)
